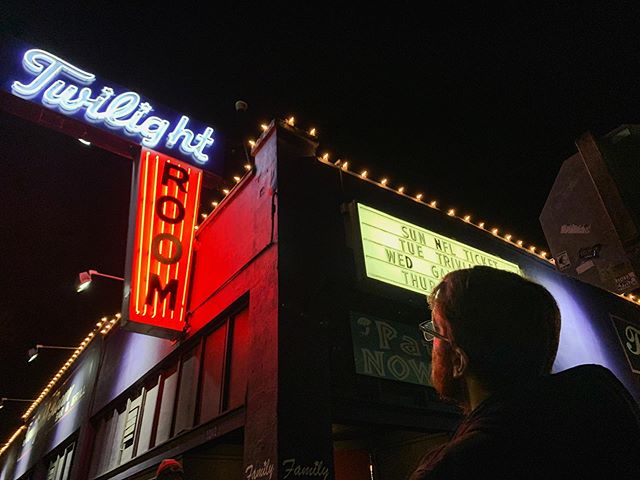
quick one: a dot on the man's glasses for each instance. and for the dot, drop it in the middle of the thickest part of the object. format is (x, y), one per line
(429, 331)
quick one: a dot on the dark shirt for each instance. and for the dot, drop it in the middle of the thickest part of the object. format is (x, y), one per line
(580, 423)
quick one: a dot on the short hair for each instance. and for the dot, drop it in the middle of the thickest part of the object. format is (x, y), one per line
(508, 326)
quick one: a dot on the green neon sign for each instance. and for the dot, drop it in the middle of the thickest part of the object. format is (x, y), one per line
(414, 258)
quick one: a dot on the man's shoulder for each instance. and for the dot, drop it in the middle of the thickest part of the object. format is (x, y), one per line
(580, 419)
(592, 387)
(461, 456)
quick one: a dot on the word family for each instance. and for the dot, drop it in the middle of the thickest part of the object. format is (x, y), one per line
(296, 470)
(259, 471)
(62, 86)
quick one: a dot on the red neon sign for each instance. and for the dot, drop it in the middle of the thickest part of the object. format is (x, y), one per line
(168, 198)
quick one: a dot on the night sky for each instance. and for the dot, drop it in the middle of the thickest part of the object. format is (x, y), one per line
(475, 108)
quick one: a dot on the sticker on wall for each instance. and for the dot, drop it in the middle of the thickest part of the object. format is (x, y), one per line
(575, 229)
(562, 261)
(590, 252)
(583, 267)
(626, 282)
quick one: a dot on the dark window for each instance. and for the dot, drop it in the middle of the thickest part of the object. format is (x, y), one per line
(212, 373)
(239, 355)
(190, 369)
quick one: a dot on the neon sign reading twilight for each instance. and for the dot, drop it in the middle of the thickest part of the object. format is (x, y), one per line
(61, 86)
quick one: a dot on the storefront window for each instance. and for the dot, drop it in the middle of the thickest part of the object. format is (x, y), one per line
(60, 464)
(169, 384)
(190, 369)
(212, 373)
(148, 414)
(130, 428)
(239, 356)
(208, 378)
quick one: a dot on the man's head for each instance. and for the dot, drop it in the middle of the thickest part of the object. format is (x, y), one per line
(502, 329)
(169, 469)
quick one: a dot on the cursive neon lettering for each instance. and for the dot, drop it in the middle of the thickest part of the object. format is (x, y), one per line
(67, 88)
(46, 67)
(93, 113)
(122, 107)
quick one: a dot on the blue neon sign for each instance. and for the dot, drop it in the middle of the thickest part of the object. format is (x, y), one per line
(41, 77)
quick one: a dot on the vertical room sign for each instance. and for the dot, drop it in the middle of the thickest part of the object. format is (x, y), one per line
(158, 266)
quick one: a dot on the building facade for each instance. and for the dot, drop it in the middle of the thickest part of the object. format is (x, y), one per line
(302, 358)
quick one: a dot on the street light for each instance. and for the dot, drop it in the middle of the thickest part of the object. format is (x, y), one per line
(32, 353)
(85, 279)
(5, 399)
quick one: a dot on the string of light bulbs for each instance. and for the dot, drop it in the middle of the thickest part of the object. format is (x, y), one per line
(102, 327)
(365, 175)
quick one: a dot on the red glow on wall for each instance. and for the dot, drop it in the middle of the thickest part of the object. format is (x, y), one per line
(168, 198)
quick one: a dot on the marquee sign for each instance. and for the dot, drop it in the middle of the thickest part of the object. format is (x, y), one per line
(51, 81)
(411, 257)
(156, 286)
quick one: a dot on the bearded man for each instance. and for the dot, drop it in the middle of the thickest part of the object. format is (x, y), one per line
(495, 338)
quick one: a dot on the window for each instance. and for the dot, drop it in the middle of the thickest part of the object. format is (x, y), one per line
(131, 423)
(116, 443)
(98, 447)
(239, 356)
(104, 455)
(212, 373)
(186, 409)
(208, 378)
(148, 414)
(169, 384)
(60, 464)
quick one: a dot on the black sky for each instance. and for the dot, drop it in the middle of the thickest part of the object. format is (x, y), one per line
(476, 107)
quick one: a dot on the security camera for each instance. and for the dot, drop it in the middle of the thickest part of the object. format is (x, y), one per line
(241, 106)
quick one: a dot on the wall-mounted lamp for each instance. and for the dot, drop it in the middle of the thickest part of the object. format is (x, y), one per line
(84, 279)
(32, 353)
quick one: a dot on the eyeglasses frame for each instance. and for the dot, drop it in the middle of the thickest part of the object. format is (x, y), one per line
(429, 332)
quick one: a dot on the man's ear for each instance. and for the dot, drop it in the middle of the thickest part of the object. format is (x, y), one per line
(460, 362)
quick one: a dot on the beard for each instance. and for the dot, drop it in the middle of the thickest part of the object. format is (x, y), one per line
(447, 387)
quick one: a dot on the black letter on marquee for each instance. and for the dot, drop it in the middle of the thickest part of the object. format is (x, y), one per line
(155, 248)
(180, 179)
(171, 288)
(160, 203)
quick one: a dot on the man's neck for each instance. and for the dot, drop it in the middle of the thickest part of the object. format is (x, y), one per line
(476, 393)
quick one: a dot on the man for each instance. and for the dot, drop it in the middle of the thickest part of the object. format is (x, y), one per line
(170, 469)
(495, 337)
